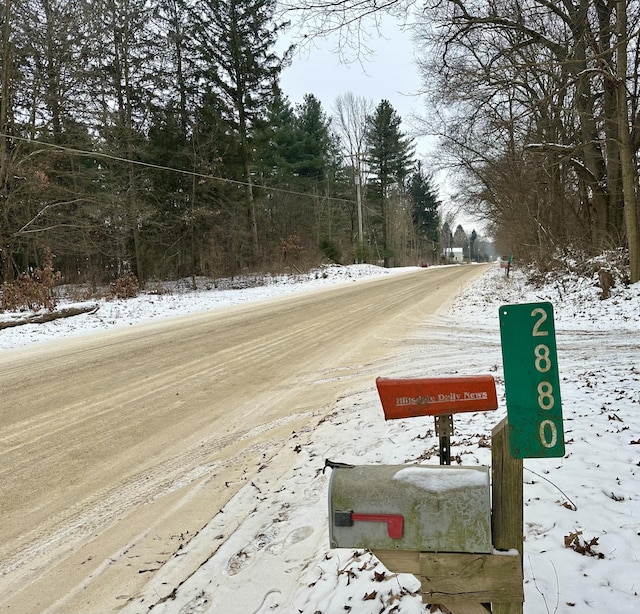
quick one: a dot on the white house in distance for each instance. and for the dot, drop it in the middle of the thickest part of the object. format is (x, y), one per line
(453, 254)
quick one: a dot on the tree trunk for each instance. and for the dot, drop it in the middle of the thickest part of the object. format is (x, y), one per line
(6, 241)
(49, 316)
(626, 154)
(246, 161)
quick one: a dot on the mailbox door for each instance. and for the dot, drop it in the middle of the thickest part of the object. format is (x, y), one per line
(428, 508)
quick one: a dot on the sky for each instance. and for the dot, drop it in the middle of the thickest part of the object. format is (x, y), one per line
(382, 67)
(582, 511)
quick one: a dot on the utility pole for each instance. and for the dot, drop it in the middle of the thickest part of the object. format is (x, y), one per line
(359, 204)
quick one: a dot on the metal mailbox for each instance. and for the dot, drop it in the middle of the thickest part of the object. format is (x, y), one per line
(429, 508)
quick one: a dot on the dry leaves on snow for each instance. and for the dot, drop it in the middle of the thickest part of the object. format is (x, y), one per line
(581, 546)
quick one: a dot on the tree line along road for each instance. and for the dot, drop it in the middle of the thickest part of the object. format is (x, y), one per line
(117, 448)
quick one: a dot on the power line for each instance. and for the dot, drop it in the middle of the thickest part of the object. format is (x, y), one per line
(160, 167)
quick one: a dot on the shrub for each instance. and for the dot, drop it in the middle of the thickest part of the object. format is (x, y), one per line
(331, 250)
(291, 248)
(126, 286)
(32, 290)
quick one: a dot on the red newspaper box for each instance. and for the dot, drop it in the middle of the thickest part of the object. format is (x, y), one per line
(436, 396)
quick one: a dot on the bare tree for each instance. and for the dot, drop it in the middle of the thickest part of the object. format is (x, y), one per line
(354, 22)
(350, 121)
(627, 154)
(7, 77)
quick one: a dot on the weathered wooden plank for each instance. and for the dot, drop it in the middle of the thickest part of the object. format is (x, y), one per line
(399, 561)
(507, 526)
(466, 608)
(508, 608)
(480, 578)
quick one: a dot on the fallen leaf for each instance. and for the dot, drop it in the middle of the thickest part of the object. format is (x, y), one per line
(574, 541)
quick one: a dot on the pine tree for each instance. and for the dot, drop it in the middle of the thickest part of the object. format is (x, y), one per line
(236, 40)
(390, 157)
(315, 144)
(424, 206)
(473, 252)
(460, 238)
(122, 79)
(297, 153)
(276, 143)
(174, 23)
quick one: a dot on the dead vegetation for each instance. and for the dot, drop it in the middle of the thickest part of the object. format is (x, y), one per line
(576, 542)
(33, 290)
(607, 270)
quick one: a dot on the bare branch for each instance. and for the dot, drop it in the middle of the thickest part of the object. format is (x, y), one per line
(42, 211)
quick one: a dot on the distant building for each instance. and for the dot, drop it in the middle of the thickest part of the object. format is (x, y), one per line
(453, 254)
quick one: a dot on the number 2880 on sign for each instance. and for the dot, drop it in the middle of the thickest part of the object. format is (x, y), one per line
(532, 384)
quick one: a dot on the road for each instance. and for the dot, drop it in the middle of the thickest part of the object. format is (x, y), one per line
(116, 449)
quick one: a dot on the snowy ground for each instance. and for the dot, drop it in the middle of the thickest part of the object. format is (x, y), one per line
(267, 551)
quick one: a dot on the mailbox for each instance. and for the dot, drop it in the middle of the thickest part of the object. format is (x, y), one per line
(410, 507)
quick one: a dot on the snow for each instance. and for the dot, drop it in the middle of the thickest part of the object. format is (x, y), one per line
(435, 480)
(267, 550)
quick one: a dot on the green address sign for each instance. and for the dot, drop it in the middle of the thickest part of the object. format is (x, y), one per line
(532, 385)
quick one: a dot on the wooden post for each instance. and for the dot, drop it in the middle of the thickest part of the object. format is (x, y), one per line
(507, 525)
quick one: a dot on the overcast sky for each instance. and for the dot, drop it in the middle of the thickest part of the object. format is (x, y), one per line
(385, 69)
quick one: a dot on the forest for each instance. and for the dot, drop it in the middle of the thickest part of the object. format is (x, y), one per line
(152, 139)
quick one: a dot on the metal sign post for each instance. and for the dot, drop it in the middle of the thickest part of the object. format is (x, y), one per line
(444, 430)
(532, 385)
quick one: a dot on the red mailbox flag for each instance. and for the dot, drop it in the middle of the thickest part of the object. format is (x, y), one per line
(436, 396)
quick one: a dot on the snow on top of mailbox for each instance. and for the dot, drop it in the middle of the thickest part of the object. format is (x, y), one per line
(438, 479)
